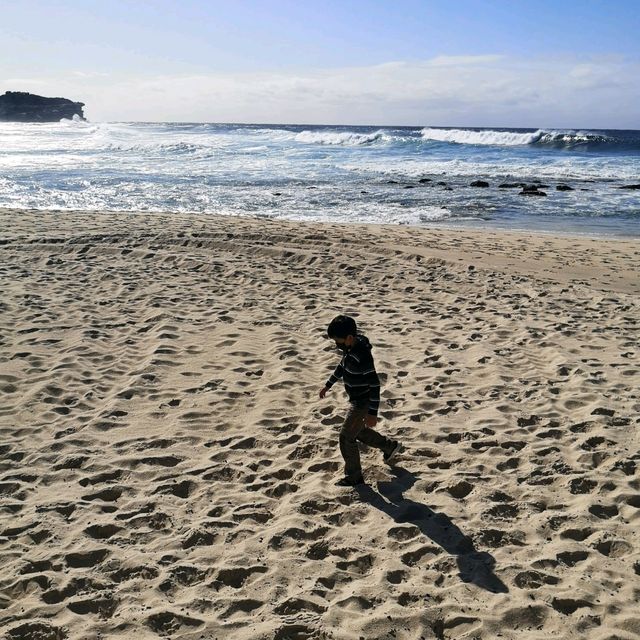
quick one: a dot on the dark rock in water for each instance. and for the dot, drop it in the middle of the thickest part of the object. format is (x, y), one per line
(564, 187)
(541, 186)
(532, 190)
(447, 188)
(409, 186)
(532, 193)
(630, 186)
(441, 184)
(479, 183)
(512, 185)
(392, 182)
(423, 180)
(18, 106)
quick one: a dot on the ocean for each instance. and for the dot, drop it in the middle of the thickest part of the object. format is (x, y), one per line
(398, 175)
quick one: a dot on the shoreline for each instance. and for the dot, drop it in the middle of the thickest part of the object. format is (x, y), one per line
(487, 179)
(462, 243)
(168, 468)
(484, 226)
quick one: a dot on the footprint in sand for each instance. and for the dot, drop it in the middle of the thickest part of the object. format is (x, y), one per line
(496, 538)
(578, 535)
(39, 630)
(292, 536)
(534, 580)
(243, 606)
(502, 512)
(297, 606)
(103, 607)
(102, 531)
(396, 577)
(295, 631)
(571, 558)
(167, 622)
(613, 548)
(199, 538)
(182, 576)
(314, 507)
(139, 572)
(579, 486)
(604, 512)
(179, 489)
(460, 490)
(567, 606)
(281, 489)
(110, 494)
(412, 558)
(236, 577)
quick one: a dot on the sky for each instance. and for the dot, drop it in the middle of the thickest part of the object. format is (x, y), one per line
(509, 63)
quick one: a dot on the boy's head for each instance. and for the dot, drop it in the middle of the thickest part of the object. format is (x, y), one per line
(343, 330)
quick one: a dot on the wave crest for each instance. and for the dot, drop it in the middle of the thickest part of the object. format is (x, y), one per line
(344, 138)
(571, 138)
(488, 137)
(513, 138)
(173, 148)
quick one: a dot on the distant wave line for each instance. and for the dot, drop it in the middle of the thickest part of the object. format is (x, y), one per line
(513, 138)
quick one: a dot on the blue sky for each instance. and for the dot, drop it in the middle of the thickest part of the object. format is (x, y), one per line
(439, 62)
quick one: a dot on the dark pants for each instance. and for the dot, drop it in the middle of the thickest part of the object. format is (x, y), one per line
(354, 431)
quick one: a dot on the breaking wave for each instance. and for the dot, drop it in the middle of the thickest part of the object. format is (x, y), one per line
(378, 174)
(344, 138)
(551, 138)
(558, 138)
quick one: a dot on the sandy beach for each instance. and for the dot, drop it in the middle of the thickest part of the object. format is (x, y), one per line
(167, 468)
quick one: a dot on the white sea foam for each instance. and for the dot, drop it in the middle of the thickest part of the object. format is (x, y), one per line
(511, 138)
(370, 213)
(324, 173)
(469, 136)
(572, 137)
(343, 138)
(167, 148)
(515, 169)
(75, 121)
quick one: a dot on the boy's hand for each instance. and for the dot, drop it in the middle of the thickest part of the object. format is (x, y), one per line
(323, 392)
(371, 421)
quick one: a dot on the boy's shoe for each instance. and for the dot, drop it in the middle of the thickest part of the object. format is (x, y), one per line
(350, 482)
(387, 457)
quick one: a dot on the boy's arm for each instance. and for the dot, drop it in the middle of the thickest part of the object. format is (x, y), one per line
(335, 376)
(372, 379)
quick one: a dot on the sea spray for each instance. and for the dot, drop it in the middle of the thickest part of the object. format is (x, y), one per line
(400, 175)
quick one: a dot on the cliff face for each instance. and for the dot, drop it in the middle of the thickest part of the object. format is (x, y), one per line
(17, 106)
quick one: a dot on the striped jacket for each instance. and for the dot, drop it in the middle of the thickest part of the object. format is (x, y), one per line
(358, 372)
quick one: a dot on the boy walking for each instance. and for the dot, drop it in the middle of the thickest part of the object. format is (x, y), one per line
(362, 385)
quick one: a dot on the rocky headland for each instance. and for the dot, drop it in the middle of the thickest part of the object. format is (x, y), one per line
(18, 106)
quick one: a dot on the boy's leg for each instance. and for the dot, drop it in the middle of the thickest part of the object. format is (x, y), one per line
(351, 429)
(374, 439)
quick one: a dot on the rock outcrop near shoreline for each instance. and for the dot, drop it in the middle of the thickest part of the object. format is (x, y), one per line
(19, 106)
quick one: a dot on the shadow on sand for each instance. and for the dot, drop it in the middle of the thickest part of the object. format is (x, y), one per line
(474, 566)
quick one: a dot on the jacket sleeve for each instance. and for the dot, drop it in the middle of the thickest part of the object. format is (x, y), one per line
(335, 376)
(372, 379)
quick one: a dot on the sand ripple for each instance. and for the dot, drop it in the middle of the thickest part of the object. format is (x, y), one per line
(167, 469)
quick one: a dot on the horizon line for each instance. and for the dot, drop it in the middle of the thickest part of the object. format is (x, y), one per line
(379, 126)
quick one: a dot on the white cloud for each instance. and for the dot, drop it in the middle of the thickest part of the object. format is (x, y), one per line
(90, 74)
(15, 84)
(446, 90)
(453, 61)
